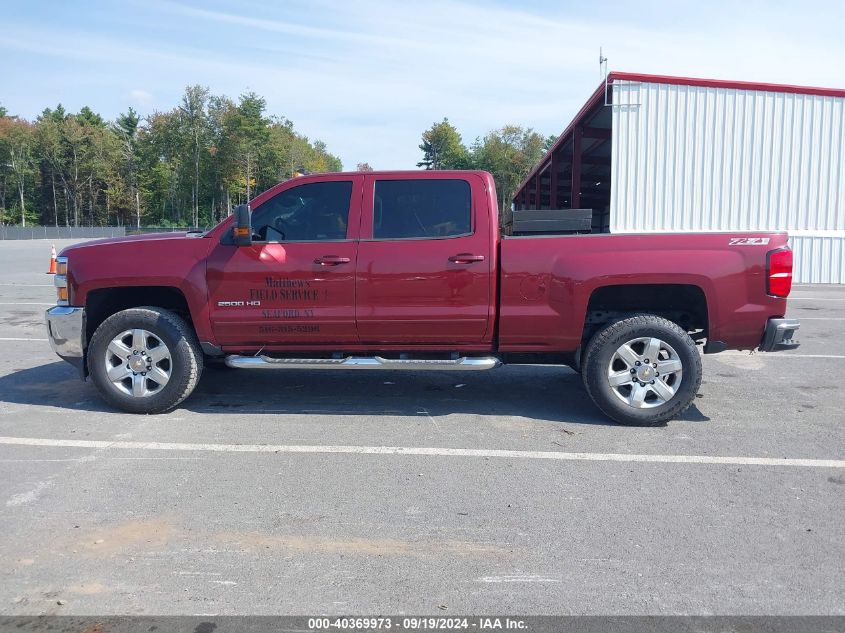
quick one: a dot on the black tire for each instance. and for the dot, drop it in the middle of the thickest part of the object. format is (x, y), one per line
(186, 358)
(600, 351)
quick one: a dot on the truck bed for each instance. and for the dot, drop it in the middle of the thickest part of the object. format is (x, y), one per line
(547, 282)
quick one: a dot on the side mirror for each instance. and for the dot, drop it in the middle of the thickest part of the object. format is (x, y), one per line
(242, 231)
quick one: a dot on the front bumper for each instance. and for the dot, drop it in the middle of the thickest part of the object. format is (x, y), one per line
(779, 335)
(66, 332)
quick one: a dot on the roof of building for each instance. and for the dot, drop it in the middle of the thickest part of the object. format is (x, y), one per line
(598, 97)
(723, 83)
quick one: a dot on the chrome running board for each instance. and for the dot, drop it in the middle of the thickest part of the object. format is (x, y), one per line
(363, 362)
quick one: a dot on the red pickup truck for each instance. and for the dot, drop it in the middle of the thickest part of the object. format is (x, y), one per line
(409, 271)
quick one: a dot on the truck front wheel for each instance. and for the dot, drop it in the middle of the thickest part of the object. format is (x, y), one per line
(144, 360)
(642, 370)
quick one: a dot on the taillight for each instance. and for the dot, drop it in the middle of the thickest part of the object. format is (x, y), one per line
(779, 272)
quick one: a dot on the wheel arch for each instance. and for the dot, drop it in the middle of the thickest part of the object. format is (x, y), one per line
(683, 304)
(102, 303)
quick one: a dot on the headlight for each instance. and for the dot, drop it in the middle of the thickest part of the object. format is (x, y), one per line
(61, 281)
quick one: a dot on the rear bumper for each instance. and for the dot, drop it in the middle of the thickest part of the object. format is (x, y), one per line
(780, 335)
(66, 332)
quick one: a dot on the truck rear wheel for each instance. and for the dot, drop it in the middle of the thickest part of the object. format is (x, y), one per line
(144, 360)
(642, 370)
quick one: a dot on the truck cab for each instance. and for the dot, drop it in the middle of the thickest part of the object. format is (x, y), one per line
(415, 269)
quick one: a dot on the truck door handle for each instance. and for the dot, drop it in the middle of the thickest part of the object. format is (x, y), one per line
(331, 260)
(466, 258)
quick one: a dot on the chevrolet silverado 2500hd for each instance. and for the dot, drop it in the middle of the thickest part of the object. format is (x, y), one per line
(408, 270)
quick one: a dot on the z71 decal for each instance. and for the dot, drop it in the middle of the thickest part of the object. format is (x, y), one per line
(748, 241)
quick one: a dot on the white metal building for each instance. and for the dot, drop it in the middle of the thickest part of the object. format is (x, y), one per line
(656, 154)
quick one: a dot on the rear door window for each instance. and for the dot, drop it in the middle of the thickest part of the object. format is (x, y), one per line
(419, 209)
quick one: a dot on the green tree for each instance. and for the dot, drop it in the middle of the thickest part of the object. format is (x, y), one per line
(319, 160)
(88, 117)
(5, 173)
(108, 182)
(194, 126)
(170, 168)
(508, 153)
(221, 154)
(17, 139)
(126, 128)
(159, 155)
(281, 154)
(99, 155)
(64, 144)
(51, 155)
(443, 148)
(249, 128)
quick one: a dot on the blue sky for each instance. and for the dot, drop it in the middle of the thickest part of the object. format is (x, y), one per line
(367, 77)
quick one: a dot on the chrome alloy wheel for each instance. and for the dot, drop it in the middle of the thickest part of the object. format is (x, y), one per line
(138, 363)
(645, 372)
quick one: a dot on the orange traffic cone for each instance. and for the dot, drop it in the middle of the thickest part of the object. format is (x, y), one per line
(52, 270)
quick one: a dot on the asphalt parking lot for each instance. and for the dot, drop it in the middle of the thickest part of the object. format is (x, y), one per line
(241, 502)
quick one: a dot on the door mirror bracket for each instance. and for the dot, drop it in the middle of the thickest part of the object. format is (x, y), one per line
(242, 230)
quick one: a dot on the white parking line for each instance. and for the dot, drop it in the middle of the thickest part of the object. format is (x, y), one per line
(425, 452)
(776, 354)
(31, 285)
(516, 578)
(803, 318)
(809, 356)
(793, 298)
(27, 303)
(36, 340)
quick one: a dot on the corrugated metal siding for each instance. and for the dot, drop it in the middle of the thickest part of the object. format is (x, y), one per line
(694, 158)
(818, 260)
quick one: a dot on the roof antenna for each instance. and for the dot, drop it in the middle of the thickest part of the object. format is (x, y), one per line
(603, 73)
